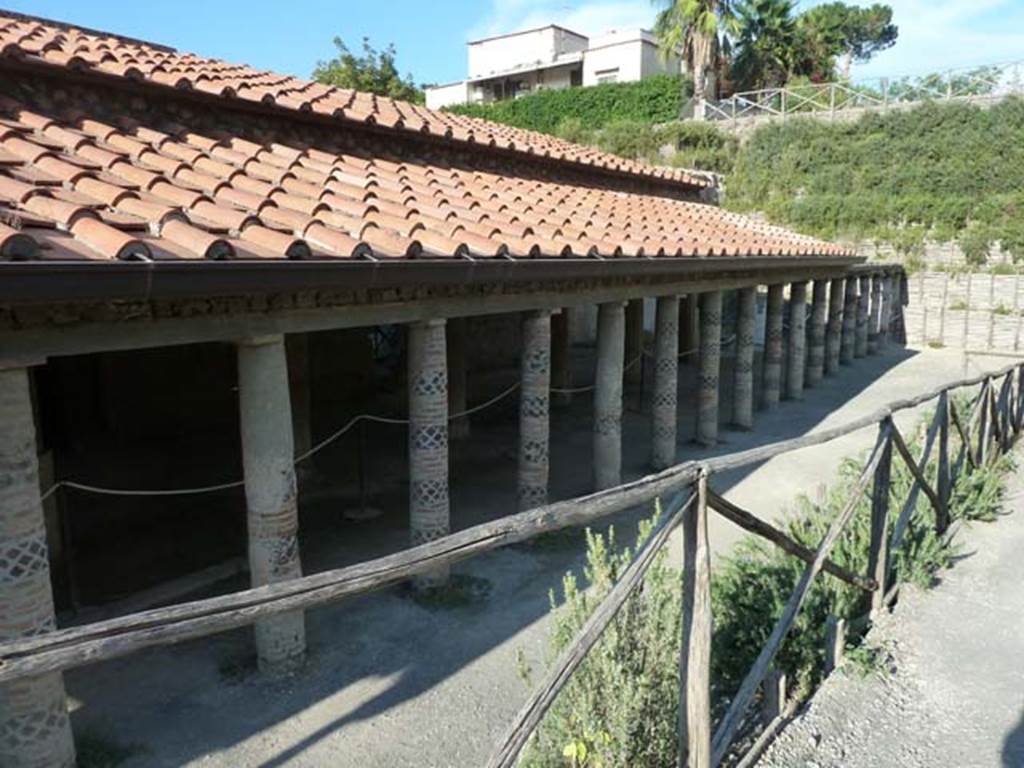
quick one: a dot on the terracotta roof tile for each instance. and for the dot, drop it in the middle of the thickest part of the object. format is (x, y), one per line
(71, 48)
(81, 180)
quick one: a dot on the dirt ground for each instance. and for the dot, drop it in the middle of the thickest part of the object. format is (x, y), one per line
(950, 691)
(391, 682)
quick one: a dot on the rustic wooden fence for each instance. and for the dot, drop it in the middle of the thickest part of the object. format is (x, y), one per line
(989, 430)
(980, 85)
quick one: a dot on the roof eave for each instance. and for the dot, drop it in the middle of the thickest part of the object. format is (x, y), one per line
(33, 283)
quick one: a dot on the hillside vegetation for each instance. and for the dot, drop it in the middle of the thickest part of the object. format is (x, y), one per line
(939, 172)
(657, 99)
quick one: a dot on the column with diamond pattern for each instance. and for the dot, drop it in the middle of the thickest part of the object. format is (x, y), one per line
(797, 351)
(885, 320)
(710, 363)
(666, 376)
(611, 332)
(834, 329)
(743, 386)
(848, 340)
(875, 314)
(35, 731)
(860, 344)
(773, 349)
(534, 394)
(429, 507)
(816, 335)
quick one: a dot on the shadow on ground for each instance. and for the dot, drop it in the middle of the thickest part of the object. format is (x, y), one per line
(398, 668)
(1013, 747)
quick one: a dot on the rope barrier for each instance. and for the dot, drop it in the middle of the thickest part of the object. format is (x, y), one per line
(298, 459)
(333, 437)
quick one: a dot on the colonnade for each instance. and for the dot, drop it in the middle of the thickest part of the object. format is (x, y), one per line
(850, 316)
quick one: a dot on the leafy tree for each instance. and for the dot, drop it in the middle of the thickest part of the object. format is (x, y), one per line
(373, 72)
(836, 30)
(699, 28)
(766, 45)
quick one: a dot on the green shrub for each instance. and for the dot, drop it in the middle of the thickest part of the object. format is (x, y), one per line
(936, 171)
(976, 244)
(656, 99)
(616, 709)
(620, 708)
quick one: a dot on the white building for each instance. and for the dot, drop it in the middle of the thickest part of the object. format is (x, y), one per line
(507, 66)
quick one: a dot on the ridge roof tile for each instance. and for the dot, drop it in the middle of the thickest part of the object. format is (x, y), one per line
(81, 180)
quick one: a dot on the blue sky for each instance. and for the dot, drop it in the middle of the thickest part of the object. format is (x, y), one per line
(291, 37)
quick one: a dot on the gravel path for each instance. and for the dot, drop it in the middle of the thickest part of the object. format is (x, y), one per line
(392, 684)
(952, 691)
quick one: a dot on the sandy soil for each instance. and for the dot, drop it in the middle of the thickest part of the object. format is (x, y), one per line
(391, 683)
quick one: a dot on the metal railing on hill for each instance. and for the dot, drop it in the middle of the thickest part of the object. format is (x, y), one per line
(996, 421)
(981, 84)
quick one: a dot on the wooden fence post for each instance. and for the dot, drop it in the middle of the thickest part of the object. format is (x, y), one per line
(944, 481)
(774, 701)
(1020, 397)
(835, 642)
(1003, 413)
(979, 455)
(878, 556)
(695, 651)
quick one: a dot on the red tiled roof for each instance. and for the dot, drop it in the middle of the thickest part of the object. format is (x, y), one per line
(73, 48)
(80, 180)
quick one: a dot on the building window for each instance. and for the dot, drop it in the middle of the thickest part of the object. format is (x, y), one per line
(576, 78)
(607, 75)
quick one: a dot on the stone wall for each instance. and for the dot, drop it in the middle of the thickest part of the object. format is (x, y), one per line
(977, 311)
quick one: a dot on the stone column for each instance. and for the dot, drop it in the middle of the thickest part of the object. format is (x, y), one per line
(743, 384)
(834, 331)
(297, 347)
(535, 367)
(886, 313)
(710, 363)
(455, 329)
(797, 353)
(874, 316)
(611, 331)
(773, 348)
(902, 299)
(561, 356)
(666, 379)
(428, 441)
(816, 337)
(689, 331)
(860, 346)
(35, 731)
(849, 323)
(270, 493)
(634, 361)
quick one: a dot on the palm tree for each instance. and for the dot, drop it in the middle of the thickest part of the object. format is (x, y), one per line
(767, 43)
(698, 28)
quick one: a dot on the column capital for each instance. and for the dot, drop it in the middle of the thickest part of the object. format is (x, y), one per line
(260, 341)
(430, 322)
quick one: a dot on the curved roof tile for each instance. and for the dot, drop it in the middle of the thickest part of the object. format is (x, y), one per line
(78, 182)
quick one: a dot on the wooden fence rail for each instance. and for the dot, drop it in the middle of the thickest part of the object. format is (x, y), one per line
(996, 420)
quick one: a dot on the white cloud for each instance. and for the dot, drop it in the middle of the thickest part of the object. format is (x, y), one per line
(588, 18)
(935, 35)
